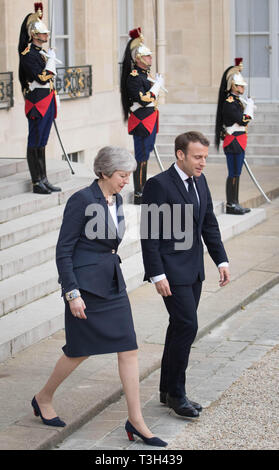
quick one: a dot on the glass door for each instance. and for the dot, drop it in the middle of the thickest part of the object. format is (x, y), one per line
(256, 40)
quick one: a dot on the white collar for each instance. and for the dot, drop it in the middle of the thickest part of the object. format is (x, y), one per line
(181, 173)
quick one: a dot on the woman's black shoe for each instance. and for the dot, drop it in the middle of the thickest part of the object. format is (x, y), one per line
(49, 422)
(151, 441)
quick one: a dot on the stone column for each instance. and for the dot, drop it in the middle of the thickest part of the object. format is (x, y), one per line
(161, 41)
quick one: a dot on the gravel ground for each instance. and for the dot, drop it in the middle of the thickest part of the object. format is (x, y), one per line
(246, 417)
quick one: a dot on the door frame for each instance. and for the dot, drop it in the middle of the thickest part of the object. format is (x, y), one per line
(273, 43)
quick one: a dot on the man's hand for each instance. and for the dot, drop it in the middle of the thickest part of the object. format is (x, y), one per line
(163, 287)
(224, 276)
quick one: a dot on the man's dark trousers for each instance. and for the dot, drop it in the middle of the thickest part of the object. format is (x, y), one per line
(183, 326)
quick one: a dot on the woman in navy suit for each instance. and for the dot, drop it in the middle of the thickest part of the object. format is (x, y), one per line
(98, 318)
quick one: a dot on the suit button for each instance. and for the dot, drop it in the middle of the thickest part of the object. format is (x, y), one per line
(113, 252)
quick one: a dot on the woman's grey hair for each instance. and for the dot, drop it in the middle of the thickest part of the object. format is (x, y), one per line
(110, 159)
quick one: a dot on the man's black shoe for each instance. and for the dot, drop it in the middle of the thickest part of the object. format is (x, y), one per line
(163, 400)
(182, 407)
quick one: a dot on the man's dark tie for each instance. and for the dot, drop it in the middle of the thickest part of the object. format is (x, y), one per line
(193, 197)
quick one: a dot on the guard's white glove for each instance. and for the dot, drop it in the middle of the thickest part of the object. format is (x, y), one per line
(51, 60)
(249, 108)
(159, 83)
(160, 79)
(51, 53)
(50, 65)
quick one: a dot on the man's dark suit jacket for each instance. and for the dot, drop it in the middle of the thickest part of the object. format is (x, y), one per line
(85, 262)
(182, 267)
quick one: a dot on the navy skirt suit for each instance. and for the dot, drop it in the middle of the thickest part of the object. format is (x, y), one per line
(87, 260)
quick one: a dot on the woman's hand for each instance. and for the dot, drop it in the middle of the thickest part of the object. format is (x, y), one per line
(77, 307)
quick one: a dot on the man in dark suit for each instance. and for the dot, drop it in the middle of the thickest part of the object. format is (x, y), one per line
(177, 267)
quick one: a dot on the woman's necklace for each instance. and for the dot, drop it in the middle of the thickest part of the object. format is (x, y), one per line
(110, 200)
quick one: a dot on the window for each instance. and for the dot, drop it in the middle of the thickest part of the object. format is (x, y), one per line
(60, 17)
(76, 157)
(252, 36)
(125, 24)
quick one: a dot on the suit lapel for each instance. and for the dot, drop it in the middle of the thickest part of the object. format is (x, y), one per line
(179, 184)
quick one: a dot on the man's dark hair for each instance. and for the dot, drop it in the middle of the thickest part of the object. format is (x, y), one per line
(182, 141)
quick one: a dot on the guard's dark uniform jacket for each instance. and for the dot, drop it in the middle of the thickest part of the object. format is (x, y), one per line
(144, 115)
(38, 100)
(233, 113)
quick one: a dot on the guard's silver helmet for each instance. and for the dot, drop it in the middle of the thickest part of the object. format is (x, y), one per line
(34, 22)
(137, 47)
(234, 76)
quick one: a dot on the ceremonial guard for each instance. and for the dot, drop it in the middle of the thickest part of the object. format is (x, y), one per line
(139, 93)
(37, 69)
(232, 118)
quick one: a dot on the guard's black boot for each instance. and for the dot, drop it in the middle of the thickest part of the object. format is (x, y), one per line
(34, 169)
(42, 164)
(246, 209)
(232, 206)
(139, 181)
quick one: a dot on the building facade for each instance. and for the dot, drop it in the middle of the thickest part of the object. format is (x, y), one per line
(193, 42)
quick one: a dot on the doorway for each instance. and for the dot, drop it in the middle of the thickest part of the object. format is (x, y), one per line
(255, 24)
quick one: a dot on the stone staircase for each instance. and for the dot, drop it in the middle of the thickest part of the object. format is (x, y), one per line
(263, 131)
(31, 307)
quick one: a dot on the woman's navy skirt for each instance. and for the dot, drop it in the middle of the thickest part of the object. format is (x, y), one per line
(109, 326)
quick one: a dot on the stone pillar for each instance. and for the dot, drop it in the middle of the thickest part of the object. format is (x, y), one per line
(161, 41)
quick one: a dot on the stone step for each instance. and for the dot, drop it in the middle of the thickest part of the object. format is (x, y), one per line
(167, 149)
(30, 324)
(209, 108)
(23, 256)
(36, 290)
(261, 139)
(209, 128)
(30, 226)
(45, 316)
(266, 118)
(28, 203)
(233, 225)
(18, 183)
(10, 166)
(26, 255)
(27, 227)
(28, 286)
(264, 160)
(33, 252)
(40, 276)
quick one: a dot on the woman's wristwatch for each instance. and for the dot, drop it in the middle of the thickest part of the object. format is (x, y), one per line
(73, 294)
